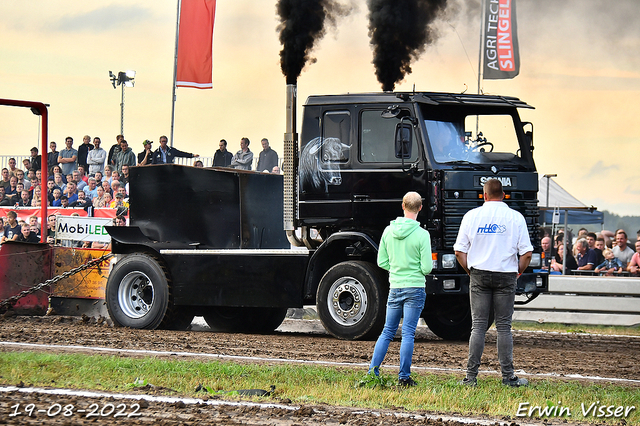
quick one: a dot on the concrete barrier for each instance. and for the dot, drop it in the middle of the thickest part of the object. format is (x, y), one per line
(585, 300)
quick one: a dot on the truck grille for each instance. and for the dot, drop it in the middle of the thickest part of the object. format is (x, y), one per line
(454, 210)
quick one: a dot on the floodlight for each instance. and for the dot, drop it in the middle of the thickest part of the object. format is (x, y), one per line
(122, 79)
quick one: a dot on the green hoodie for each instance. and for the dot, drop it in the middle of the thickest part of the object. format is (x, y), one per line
(405, 251)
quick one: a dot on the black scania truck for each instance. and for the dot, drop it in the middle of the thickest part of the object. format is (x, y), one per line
(240, 247)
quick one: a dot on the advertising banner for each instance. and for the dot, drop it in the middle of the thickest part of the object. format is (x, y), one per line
(78, 228)
(500, 40)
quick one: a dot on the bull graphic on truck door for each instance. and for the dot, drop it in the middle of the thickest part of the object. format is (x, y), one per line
(319, 164)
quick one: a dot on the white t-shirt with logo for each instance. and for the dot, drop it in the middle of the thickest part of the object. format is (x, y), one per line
(493, 235)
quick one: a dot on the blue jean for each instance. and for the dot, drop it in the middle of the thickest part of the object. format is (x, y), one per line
(404, 303)
(487, 290)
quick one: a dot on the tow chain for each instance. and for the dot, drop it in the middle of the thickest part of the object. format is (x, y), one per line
(13, 299)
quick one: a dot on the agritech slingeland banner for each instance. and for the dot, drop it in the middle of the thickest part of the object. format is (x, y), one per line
(500, 40)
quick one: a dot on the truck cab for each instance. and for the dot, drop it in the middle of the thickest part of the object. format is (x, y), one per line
(359, 154)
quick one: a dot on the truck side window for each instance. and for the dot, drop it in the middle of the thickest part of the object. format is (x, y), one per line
(377, 139)
(336, 144)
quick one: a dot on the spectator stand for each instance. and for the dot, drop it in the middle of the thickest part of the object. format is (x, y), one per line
(557, 206)
(4, 160)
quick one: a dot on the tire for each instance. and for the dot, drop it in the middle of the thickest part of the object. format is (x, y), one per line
(451, 325)
(350, 300)
(179, 319)
(137, 292)
(454, 323)
(231, 319)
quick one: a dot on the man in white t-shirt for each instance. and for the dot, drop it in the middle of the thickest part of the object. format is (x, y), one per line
(622, 251)
(489, 241)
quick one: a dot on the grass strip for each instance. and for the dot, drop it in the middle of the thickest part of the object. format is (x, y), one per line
(304, 384)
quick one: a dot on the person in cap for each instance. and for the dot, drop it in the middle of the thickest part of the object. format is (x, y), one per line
(146, 156)
(118, 201)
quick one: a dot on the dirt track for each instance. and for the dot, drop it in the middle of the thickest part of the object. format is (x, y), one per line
(602, 356)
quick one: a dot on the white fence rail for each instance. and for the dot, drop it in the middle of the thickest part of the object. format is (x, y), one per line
(586, 300)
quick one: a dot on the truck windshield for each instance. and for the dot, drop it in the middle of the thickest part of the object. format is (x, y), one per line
(457, 141)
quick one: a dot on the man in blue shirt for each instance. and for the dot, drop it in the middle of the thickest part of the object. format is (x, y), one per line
(68, 157)
(586, 257)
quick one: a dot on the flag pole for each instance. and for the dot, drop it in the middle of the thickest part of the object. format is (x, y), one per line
(482, 18)
(175, 73)
(480, 49)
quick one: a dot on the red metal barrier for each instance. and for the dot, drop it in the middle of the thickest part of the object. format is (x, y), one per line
(22, 266)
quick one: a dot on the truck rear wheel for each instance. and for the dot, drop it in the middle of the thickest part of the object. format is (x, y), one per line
(231, 319)
(179, 319)
(137, 292)
(351, 299)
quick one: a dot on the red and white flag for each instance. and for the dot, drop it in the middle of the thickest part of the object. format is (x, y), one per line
(195, 44)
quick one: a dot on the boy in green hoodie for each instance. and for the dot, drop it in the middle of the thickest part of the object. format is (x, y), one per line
(405, 251)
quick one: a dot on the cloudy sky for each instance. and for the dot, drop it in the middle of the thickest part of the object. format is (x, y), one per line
(580, 68)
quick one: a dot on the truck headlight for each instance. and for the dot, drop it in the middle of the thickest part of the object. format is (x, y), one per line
(449, 284)
(448, 260)
(536, 260)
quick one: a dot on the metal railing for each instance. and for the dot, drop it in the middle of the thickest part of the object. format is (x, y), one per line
(585, 300)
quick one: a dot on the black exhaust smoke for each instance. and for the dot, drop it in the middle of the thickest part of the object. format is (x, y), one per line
(400, 30)
(302, 23)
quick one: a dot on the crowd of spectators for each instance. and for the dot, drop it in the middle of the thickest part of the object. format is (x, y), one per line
(243, 159)
(602, 253)
(90, 177)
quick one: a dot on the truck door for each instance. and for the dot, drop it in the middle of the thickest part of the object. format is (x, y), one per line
(384, 170)
(325, 192)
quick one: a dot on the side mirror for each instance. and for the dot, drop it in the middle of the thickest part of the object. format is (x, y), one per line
(403, 140)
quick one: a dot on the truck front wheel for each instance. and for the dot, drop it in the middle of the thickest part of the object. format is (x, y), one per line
(351, 299)
(137, 292)
(450, 325)
(450, 319)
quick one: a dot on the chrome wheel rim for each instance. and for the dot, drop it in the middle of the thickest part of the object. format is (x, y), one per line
(347, 301)
(136, 294)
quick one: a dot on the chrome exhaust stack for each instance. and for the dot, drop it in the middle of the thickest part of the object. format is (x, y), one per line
(290, 167)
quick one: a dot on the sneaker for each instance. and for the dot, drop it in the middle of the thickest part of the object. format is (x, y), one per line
(469, 382)
(515, 382)
(406, 383)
